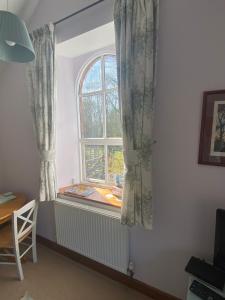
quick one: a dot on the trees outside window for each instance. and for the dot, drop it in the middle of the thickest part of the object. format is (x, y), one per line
(100, 125)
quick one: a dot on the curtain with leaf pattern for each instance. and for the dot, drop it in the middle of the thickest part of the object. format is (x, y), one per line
(42, 98)
(136, 23)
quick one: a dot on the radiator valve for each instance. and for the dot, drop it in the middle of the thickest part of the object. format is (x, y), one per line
(130, 269)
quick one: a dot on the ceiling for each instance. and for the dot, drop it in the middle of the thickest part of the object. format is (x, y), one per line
(13, 5)
(92, 40)
(23, 8)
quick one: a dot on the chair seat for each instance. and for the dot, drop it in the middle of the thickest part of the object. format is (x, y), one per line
(6, 236)
(22, 225)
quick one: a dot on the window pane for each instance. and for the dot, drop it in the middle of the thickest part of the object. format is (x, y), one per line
(113, 123)
(94, 162)
(93, 79)
(115, 165)
(110, 72)
(91, 116)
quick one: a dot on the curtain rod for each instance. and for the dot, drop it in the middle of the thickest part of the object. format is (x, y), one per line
(78, 11)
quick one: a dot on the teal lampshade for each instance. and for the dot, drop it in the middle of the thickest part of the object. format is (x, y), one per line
(15, 43)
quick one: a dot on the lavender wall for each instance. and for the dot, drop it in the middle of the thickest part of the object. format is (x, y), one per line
(1, 172)
(191, 60)
(186, 195)
(19, 156)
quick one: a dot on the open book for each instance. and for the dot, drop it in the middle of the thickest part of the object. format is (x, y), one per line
(80, 190)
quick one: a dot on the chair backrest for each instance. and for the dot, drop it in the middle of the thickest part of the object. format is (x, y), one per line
(24, 220)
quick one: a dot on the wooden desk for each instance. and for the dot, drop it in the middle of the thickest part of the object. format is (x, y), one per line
(7, 209)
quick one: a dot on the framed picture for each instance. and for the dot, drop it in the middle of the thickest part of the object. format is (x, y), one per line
(212, 139)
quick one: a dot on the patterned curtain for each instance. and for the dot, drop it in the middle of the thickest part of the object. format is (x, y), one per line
(136, 23)
(42, 98)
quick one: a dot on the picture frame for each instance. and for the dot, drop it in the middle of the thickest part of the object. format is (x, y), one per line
(212, 137)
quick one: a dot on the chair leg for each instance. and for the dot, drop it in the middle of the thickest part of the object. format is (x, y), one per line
(34, 247)
(18, 263)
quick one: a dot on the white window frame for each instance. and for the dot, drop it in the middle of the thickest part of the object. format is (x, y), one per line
(105, 141)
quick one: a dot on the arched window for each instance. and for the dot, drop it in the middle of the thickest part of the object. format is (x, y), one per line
(100, 125)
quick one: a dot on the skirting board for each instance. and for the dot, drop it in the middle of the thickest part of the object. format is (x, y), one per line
(143, 288)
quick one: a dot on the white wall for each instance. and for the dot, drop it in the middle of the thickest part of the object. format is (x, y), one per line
(186, 195)
(67, 150)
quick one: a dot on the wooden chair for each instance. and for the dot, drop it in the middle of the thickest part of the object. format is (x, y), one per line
(13, 235)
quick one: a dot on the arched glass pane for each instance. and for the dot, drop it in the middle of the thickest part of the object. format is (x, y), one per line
(91, 116)
(113, 122)
(93, 79)
(110, 72)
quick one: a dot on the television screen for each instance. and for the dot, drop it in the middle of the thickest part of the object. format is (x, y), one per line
(219, 247)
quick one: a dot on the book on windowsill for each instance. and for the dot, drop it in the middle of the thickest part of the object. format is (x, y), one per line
(80, 190)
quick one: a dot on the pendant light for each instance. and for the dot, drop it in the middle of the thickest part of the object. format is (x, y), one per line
(15, 42)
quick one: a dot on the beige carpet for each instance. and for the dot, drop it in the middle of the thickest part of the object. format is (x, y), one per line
(55, 277)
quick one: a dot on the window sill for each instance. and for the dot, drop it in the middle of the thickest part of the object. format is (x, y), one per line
(101, 197)
(89, 206)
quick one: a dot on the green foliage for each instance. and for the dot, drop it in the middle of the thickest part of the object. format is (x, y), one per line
(116, 163)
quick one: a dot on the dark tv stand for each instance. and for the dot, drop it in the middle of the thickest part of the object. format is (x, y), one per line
(191, 296)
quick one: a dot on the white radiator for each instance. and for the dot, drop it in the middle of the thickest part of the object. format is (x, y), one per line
(97, 235)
